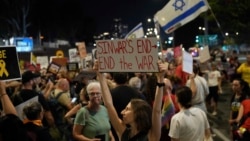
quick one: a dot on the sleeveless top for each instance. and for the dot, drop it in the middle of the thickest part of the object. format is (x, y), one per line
(141, 136)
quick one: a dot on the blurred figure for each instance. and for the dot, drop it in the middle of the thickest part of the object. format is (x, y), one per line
(61, 96)
(214, 83)
(63, 86)
(244, 70)
(11, 127)
(199, 88)
(92, 120)
(183, 76)
(150, 88)
(33, 122)
(27, 92)
(135, 82)
(240, 92)
(83, 101)
(232, 70)
(243, 121)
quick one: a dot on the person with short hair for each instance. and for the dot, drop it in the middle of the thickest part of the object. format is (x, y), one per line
(27, 92)
(92, 120)
(33, 122)
(190, 123)
(63, 85)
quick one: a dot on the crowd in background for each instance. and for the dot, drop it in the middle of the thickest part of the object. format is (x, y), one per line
(125, 106)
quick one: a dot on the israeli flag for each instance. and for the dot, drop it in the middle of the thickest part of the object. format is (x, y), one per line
(136, 32)
(177, 13)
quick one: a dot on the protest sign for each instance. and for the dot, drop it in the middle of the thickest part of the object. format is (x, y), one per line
(187, 62)
(53, 68)
(81, 49)
(73, 55)
(19, 108)
(72, 66)
(60, 61)
(127, 55)
(204, 54)
(9, 64)
(43, 61)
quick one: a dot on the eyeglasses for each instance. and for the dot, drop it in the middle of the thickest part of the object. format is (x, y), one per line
(94, 94)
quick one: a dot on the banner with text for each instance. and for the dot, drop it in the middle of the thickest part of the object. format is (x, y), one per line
(9, 63)
(127, 55)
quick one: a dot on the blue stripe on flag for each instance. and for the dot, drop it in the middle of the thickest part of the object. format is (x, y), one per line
(184, 15)
(135, 28)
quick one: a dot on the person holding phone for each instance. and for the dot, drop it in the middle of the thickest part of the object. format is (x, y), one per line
(139, 121)
(92, 121)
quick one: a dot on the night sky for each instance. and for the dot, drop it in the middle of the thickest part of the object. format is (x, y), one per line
(102, 12)
(81, 19)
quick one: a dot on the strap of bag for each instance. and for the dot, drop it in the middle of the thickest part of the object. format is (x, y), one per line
(57, 97)
(203, 86)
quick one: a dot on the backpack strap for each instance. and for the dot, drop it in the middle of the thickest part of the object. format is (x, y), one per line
(58, 95)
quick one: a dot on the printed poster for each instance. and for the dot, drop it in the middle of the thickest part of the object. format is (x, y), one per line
(9, 63)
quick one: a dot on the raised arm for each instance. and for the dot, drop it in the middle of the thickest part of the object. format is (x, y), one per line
(108, 102)
(240, 114)
(47, 90)
(192, 84)
(7, 105)
(155, 131)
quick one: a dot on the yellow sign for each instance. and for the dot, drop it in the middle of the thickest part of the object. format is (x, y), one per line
(3, 69)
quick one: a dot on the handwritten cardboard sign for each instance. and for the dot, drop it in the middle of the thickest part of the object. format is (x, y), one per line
(128, 55)
(9, 64)
(43, 61)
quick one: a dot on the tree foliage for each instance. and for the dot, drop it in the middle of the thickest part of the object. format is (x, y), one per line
(232, 15)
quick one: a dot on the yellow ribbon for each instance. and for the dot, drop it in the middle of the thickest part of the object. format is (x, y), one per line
(59, 53)
(3, 69)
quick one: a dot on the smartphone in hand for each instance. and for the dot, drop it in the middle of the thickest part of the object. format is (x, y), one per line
(73, 100)
(102, 137)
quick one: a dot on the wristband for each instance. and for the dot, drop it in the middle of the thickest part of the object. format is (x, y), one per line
(1, 95)
(160, 84)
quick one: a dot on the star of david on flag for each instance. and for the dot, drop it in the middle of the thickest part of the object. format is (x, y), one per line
(136, 32)
(177, 13)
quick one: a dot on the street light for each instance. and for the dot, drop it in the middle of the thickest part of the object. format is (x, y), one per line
(149, 20)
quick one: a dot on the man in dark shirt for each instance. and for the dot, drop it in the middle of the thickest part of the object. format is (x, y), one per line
(27, 93)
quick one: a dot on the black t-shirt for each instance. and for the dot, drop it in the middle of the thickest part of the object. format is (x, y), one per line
(141, 136)
(121, 96)
(12, 128)
(27, 94)
(38, 132)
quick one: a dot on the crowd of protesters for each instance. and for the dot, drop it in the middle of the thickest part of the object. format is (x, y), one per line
(168, 105)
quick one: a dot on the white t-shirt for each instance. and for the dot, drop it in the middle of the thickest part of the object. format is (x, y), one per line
(201, 92)
(189, 125)
(213, 77)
